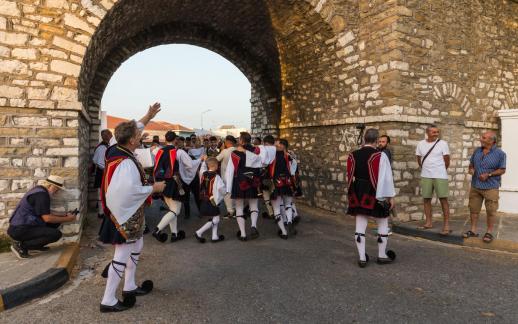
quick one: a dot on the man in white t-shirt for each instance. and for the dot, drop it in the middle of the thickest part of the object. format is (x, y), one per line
(433, 157)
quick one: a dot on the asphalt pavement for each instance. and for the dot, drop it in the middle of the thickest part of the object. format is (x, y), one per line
(312, 278)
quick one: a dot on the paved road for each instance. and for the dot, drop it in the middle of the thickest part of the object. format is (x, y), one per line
(310, 279)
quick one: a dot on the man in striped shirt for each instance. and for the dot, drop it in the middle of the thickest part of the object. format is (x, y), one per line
(487, 165)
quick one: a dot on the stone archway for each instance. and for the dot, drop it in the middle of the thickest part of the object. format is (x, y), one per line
(317, 68)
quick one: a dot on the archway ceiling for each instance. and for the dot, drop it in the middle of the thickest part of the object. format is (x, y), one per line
(244, 24)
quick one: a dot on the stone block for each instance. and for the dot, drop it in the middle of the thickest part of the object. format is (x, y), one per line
(24, 53)
(49, 77)
(56, 132)
(9, 8)
(21, 185)
(8, 38)
(64, 94)
(78, 23)
(65, 67)
(13, 67)
(62, 151)
(14, 173)
(69, 45)
(37, 93)
(31, 121)
(41, 104)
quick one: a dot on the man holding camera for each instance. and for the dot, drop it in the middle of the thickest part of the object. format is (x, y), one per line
(32, 226)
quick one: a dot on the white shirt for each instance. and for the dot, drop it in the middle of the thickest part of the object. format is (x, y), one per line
(99, 155)
(223, 157)
(219, 189)
(126, 193)
(188, 166)
(197, 152)
(433, 166)
(385, 188)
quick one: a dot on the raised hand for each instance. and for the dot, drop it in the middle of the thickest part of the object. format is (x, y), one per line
(154, 110)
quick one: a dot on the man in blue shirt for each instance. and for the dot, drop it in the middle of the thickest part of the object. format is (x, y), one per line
(487, 165)
(32, 226)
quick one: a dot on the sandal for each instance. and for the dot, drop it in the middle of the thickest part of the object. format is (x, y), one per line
(488, 238)
(469, 234)
(423, 227)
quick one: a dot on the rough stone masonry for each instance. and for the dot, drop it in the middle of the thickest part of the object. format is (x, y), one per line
(317, 69)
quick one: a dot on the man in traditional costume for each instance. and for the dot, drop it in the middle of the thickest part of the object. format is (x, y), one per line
(267, 153)
(283, 188)
(370, 194)
(178, 170)
(223, 157)
(124, 192)
(244, 184)
(212, 192)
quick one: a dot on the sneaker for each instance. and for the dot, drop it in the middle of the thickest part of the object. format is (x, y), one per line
(19, 251)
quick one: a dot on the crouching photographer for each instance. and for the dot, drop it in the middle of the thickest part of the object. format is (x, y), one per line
(32, 226)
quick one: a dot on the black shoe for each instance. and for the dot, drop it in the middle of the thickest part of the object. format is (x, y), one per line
(177, 237)
(221, 238)
(254, 233)
(160, 237)
(144, 289)
(296, 220)
(146, 230)
(391, 256)
(128, 303)
(199, 238)
(291, 229)
(19, 251)
(363, 264)
(282, 236)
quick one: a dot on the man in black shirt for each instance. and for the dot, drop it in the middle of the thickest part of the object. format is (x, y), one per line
(32, 226)
(383, 143)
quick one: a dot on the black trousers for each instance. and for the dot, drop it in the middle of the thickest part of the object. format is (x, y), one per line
(34, 237)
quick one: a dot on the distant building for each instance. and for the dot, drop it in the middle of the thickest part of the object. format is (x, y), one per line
(225, 130)
(154, 128)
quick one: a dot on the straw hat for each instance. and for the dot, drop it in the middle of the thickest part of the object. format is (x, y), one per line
(56, 181)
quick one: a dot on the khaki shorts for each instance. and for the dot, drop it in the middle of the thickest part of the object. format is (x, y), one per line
(488, 196)
(429, 185)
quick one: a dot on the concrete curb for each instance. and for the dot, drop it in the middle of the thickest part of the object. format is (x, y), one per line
(42, 284)
(457, 239)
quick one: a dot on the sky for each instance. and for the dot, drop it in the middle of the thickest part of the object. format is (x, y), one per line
(187, 80)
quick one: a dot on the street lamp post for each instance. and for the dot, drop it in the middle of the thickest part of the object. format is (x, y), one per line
(201, 115)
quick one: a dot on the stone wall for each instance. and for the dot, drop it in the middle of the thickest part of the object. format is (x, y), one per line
(317, 68)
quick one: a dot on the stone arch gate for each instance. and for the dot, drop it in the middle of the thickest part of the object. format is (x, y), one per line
(317, 68)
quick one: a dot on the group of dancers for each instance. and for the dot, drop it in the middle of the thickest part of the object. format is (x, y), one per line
(240, 175)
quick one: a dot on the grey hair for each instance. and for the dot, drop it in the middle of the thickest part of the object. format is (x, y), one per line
(430, 127)
(371, 136)
(125, 131)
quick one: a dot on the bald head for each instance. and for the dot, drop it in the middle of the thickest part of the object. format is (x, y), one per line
(488, 139)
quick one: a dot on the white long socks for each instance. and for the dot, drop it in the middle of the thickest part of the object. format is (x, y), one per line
(171, 218)
(131, 265)
(254, 211)
(229, 203)
(240, 205)
(276, 204)
(383, 229)
(267, 202)
(212, 224)
(215, 222)
(359, 236)
(288, 207)
(115, 273)
(361, 227)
